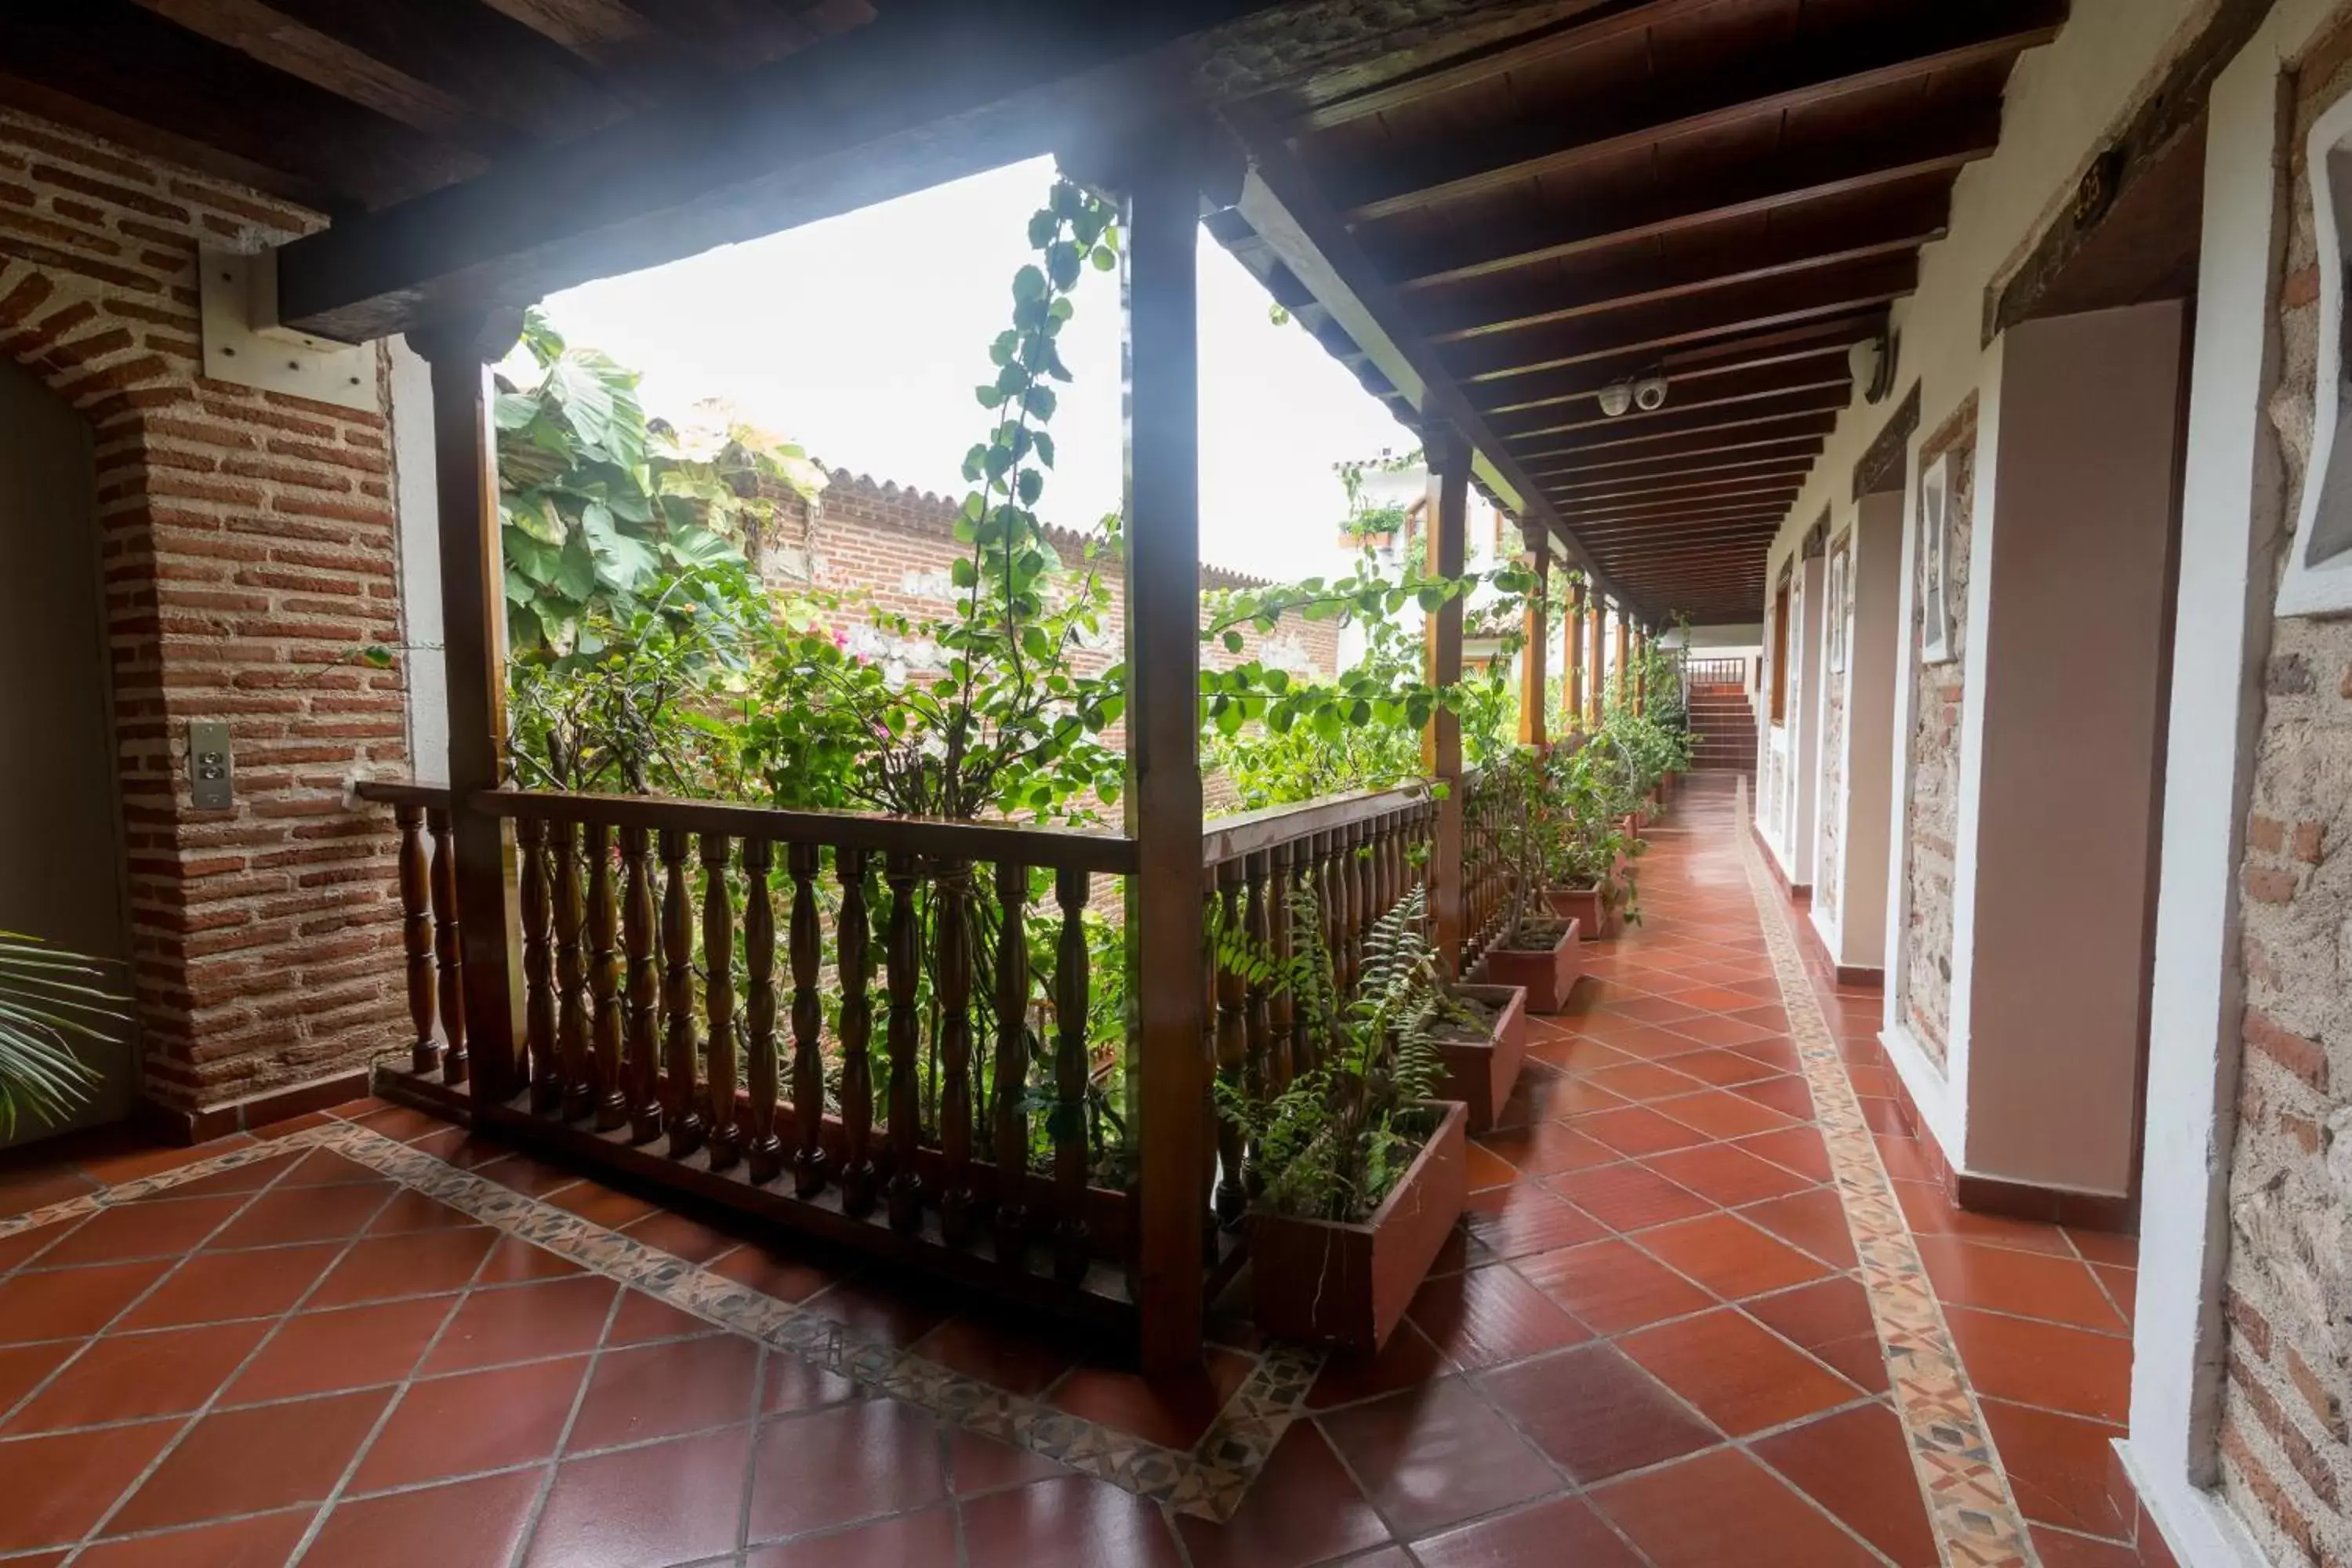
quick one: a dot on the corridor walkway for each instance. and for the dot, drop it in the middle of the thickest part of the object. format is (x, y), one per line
(1708, 1309)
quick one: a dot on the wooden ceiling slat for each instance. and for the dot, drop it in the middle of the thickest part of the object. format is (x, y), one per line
(1725, 435)
(1571, 491)
(139, 70)
(1703, 412)
(1754, 496)
(1909, 155)
(1828, 336)
(504, 72)
(327, 63)
(1605, 22)
(598, 30)
(1786, 249)
(1913, 45)
(1724, 313)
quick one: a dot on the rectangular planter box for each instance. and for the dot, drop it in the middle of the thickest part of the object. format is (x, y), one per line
(1591, 908)
(1548, 976)
(1481, 1073)
(1347, 1285)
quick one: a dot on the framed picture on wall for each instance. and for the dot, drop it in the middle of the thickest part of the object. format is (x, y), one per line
(1839, 606)
(1934, 561)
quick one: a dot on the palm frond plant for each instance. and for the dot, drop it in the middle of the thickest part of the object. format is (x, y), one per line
(46, 1003)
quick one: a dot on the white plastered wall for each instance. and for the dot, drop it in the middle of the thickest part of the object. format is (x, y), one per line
(2061, 101)
(1852, 925)
(414, 494)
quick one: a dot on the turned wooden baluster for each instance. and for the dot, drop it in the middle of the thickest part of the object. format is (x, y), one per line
(1257, 1015)
(1009, 1119)
(1068, 1126)
(1204, 1198)
(954, 966)
(684, 1108)
(808, 1023)
(724, 1129)
(901, 959)
(763, 1151)
(1283, 1021)
(1367, 896)
(603, 980)
(1232, 1002)
(1327, 893)
(856, 1035)
(447, 947)
(538, 968)
(416, 935)
(571, 1006)
(638, 935)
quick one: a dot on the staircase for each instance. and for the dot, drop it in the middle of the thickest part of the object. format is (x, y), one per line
(1724, 724)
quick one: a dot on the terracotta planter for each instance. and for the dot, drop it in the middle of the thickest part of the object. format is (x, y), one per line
(1549, 975)
(1591, 908)
(1347, 1285)
(1632, 822)
(1481, 1073)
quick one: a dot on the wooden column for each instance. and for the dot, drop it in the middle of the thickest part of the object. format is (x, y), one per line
(1596, 658)
(1641, 672)
(1534, 674)
(1624, 627)
(1449, 497)
(1164, 765)
(474, 644)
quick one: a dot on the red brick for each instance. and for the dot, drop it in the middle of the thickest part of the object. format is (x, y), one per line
(2298, 1056)
(2269, 884)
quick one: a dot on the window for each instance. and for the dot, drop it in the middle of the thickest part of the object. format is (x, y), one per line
(1780, 652)
(2320, 562)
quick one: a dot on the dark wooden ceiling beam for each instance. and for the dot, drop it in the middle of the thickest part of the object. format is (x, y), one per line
(1901, 156)
(1601, 23)
(1722, 436)
(597, 30)
(1808, 445)
(142, 71)
(1771, 496)
(1690, 481)
(929, 92)
(285, 44)
(1804, 73)
(1727, 388)
(1714, 413)
(1784, 250)
(1652, 329)
(1617, 528)
(1830, 338)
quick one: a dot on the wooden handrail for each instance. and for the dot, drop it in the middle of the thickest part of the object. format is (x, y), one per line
(1251, 832)
(1059, 848)
(402, 791)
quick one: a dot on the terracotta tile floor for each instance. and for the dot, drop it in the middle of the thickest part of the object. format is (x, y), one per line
(1649, 1346)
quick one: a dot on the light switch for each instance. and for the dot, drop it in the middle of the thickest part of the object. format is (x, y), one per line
(211, 770)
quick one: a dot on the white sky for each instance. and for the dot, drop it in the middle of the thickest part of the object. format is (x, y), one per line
(862, 337)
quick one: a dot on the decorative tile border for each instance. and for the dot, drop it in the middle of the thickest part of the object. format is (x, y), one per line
(1976, 1521)
(1209, 1482)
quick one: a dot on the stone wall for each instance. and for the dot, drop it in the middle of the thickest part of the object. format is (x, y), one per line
(247, 546)
(1932, 757)
(1831, 813)
(2286, 1462)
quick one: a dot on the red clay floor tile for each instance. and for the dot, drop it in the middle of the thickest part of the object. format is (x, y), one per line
(1515, 1221)
(1740, 1374)
(854, 1461)
(1857, 1465)
(127, 1377)
(663, 1390)
(1611, 1286)
(215, 1287)
(1562, 1531)
(1172, 1411)
(254, 1460)
(1070, 1522)
(1437, 1454)
(261, 1543)
(1490, 1316)
(1628, 1197)
(71, 1302)
(460, 1524)
(2061, 1469)
(1729, 1256)
(523, 1322)
(664, 1502)
(61, 1484)
(1303, 1508)
(2025, 1284)
(475, 1421)
(1750, 1518)
(2044, 1364)
(910, 1541)
(348, 1347)
(1596, 1414)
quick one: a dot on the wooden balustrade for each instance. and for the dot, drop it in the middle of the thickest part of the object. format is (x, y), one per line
(842, 1022)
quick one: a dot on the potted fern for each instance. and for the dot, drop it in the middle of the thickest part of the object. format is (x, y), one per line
(46, 1003)
(1534, 949)
(1588, 852)
(1361, 1172)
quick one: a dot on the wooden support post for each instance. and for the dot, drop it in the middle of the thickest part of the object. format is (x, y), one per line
(1535, 677)
(474, 644)
(1596, 660)
(1573, 676)
(1449, 497)
(1641, 672)
(1624, 670)
(1163, 766)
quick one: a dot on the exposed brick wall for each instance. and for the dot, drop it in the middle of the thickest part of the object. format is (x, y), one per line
(898, 546)
(2286, 1456)
(1932, 756)
(248, 543)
